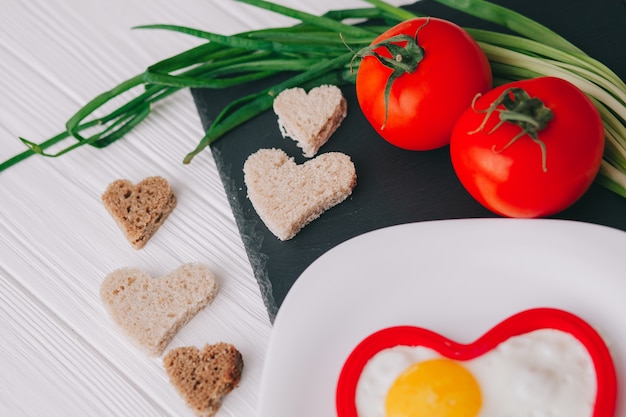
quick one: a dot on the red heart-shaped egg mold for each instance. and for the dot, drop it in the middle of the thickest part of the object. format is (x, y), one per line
(520, 323)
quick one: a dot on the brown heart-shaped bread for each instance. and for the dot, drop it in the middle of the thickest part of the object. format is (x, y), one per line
(204, 377)
(152, 310)
(141, 209)
(310, 119)
(287, 196)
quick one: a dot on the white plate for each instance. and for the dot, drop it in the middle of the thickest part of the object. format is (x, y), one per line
(456, 277)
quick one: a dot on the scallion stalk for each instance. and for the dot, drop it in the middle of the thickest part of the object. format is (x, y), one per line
(318, 50)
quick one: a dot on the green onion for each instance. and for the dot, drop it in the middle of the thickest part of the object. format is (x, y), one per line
(512, 21)
(319, 50)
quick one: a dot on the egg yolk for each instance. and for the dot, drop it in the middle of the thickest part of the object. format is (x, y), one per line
(434, 388)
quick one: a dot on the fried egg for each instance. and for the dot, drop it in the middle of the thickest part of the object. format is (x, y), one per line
(544, 373)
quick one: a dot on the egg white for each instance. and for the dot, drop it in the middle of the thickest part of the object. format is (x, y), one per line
(542, 373)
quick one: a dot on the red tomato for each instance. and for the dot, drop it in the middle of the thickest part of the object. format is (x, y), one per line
(423, 105)
(518, 178)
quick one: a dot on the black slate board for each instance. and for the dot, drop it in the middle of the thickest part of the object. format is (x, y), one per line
(396, 186)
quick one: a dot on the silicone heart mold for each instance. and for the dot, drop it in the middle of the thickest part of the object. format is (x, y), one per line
(519, 324)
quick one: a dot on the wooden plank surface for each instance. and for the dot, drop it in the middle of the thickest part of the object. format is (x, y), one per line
(60, 354)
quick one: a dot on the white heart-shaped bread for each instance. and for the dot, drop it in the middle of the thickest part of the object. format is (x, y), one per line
(310, 119)
(152, 310)
(287, 196)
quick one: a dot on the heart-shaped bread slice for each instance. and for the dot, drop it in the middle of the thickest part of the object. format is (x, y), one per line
(204, 377)
(139, 210)
(310, 119)
(288, 196)
(152, 310)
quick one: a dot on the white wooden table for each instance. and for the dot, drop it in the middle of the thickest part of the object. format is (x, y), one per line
(60, 354)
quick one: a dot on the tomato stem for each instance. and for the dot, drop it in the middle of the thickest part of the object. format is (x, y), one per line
(515, 105)
(405, 56)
